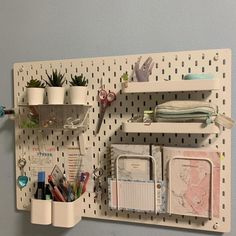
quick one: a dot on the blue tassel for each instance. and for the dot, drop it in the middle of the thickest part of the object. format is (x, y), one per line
(2, 112)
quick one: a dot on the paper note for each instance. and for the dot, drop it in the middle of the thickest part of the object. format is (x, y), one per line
(137, 195)
(191, 188)
(42, 159)
(75, 164)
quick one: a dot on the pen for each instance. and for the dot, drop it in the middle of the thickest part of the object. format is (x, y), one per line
(82, 183)
(56, 191)
(40, 193)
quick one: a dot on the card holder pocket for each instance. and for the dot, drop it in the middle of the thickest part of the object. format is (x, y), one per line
(66, 214)
(41, 211)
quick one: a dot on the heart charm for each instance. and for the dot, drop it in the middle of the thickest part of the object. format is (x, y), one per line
(22, 181)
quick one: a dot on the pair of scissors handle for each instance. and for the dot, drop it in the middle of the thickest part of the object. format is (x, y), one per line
(107, 97)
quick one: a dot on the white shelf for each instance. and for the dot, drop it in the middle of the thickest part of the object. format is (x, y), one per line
(170, 86)
(55, 105)
(165, 127)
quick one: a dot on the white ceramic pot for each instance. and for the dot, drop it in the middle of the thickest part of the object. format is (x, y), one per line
(56, 95)
(35, 96)
(78, 95)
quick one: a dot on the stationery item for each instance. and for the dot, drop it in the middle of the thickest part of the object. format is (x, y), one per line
(56, 192)
(136, 118)
(57, 175)
(98, 173)
(148, 116)
(183, 111)
(194, 181)
(75, 164)
(40, 192)
(72, 123)
(48, 194)
(63, 184)
(137, 196)
(135, 168)
(82, 183)
(191, 111)
(22, 180)
(142, 74)
(42, 157)
(106, 98)
(82, 143)
(198, 77)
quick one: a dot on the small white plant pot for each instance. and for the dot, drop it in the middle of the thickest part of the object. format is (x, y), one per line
(78, 95)
(56, 95)
(35, 96)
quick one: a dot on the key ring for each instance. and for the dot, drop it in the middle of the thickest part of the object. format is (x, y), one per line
(98, 172)
(22, 163)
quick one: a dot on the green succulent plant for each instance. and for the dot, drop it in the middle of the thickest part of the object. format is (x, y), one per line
(78, 80)
(56, 79)
(125, 77)
(35, 83)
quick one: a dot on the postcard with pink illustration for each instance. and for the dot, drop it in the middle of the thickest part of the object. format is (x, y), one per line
(194, 181)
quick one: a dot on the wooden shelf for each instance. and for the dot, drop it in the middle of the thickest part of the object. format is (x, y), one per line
(165, 127)
(171, 86)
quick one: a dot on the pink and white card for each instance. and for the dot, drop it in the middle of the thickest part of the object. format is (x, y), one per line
(194, 181)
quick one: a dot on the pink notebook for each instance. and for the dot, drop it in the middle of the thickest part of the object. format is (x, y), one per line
(194, 181)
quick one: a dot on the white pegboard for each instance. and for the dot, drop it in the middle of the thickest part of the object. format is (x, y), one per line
(171, 66)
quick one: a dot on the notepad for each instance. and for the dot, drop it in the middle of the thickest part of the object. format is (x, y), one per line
(194, 181)
(137, 196)
(135, 168)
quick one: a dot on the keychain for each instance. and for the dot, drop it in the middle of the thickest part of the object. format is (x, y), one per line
(22, 180)
(98, 173)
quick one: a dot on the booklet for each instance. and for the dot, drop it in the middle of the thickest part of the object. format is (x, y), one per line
(132, 167)
(194, 181)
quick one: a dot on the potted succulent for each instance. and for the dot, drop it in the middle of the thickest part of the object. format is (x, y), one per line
(55, 91)
(78, 90)
(35, 92)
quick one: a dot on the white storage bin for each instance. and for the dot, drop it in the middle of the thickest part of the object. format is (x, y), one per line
(66, 214)
(41, 211)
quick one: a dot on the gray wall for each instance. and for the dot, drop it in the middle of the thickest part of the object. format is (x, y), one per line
(49, 29)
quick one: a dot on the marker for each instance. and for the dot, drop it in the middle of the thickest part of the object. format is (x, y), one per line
(48, 194)
(40, 193)
(56, 191)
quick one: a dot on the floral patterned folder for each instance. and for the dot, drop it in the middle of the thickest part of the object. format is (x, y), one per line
(194, 181)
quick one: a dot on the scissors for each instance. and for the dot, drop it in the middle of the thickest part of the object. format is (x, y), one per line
(106, 98)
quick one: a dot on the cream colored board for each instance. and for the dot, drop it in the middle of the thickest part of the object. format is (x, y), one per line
(172, 66)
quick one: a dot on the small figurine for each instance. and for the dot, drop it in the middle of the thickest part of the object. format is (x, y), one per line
(143, 73)
(125, 79)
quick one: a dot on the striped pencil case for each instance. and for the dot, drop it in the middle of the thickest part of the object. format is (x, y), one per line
(190, 111)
